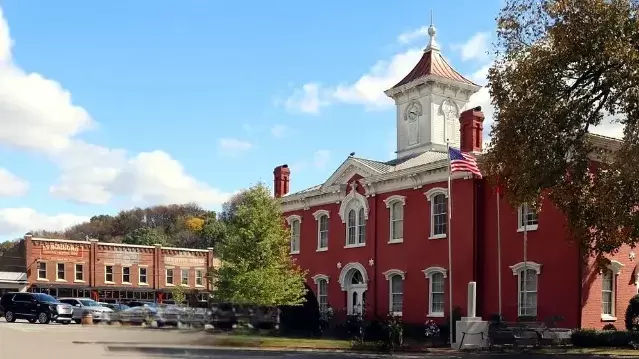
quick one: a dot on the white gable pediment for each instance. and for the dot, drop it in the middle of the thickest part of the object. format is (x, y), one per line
(347, 170)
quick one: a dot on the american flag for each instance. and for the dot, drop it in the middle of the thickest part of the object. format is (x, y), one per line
(462, 162)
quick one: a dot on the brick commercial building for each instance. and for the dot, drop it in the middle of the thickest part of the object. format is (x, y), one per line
(374, 236)
(113, 271)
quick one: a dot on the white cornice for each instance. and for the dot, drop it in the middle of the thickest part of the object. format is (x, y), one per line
(468, 88)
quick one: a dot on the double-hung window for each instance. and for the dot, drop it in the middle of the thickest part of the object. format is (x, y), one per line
(322, 294)
(142, 275)
(42, 270)
(295, 223)
(527, 218)
(79, 272)
(169, 276)
(60, 275)
(322, 232)
(185, 277)
(396, 294)
(126, 274)
(108, 273)
(395, 204)
(438, 198)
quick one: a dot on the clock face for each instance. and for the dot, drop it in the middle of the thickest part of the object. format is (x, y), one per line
(413, 112)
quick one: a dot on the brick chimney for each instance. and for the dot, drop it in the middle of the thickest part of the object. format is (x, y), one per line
(282, 176)
(471, 128)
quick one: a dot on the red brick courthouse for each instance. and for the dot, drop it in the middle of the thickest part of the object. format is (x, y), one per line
(112, 271)
(374, 235)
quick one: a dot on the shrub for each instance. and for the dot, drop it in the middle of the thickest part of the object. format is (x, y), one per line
(632, 314)
(606, 338)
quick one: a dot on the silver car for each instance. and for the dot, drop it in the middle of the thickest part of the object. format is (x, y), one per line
(88, 306)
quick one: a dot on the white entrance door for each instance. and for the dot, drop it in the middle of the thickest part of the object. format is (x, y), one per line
(356, 299)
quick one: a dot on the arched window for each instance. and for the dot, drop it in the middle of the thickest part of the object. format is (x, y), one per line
(528, 217)
(436, 290)
(322, 294)
(352, 228)
(396, 295)
(322, 229)
(395, 204)
(295, 222)
(361, 227)
(609, 289)
(527, 274)
(354, 212)
(438, 198)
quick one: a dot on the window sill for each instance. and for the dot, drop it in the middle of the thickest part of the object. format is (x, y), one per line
(126, 283)
(324, 249)
(532, 227)
(108, 282)
(437, 236)
(199, 286)
(296, 252)
(608, 318)
(43, 279)
(396, 314)
(395, 241)
(355, 245)
(184, 285)
(145, 284)
(61, 280)
(170, 285)
(79, 281)
(435, 315)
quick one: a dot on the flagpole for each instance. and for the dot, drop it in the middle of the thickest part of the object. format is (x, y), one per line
(450, 262)
(499, 252)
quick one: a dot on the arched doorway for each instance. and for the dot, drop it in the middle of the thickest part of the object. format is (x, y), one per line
(354, 282)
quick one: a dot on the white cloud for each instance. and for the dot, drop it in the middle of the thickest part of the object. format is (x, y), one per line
(305, 100)
(233, 146)
(280, 131)
(321, 159)
(609, 126)
(368, 90)
(413, 35)
(476, 48)
(38, 114)
(22, 220)
(11, 185)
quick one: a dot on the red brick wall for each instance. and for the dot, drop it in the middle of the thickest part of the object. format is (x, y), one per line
(412, 256)
(123, 256)
(625, 284)
(53, 252)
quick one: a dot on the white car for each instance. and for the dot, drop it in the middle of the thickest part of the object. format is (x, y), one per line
(87, 305)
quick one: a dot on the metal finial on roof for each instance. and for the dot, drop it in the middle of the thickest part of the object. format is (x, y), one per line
(432, 44)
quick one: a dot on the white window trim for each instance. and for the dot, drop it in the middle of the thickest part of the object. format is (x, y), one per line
(390, 201)
(316, 279)
(140, 267)
(75, 273)
(520, 223)
(430, 194)
(428, 273)
(57, 277)
(357, 209)
(182, 270)
(199, 285)
(166, 276)
(290, 220)
(318, 215)
(517, 271)
(112, 273)
(129, 281)
(43, 279)
(615, 268)
(389, 274)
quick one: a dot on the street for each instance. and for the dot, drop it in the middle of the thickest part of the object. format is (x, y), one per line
(24, 340)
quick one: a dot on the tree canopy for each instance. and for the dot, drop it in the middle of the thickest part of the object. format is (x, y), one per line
(175, 225)
(256, 267)
(563, 67)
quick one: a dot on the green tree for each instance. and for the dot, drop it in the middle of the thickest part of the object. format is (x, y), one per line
(179, 294)
(256, 267)
(563, 67)
(145, 236)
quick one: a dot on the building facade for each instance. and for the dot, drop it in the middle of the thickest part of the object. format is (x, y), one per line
(115, 272)
(374, 236)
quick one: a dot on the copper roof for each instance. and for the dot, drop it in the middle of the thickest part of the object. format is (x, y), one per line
(433, 63)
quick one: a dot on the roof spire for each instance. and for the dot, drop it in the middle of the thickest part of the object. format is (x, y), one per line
(432, 44)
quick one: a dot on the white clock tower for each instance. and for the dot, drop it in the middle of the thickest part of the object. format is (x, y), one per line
(429, 100)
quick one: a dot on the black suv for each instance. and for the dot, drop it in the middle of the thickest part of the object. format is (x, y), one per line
(35, 307)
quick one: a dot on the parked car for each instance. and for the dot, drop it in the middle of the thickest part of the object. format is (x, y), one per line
(138, 315)
(82, 306)
(138, 303)
(35, 307)
(223, 316)
(117, 308)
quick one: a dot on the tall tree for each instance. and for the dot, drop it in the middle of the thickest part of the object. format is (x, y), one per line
(256, 266)
(562, 67)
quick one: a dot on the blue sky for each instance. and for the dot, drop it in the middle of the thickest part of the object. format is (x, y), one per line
(110, 105)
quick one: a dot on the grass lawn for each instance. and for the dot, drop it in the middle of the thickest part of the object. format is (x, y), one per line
(278, 342)
(590, 351)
